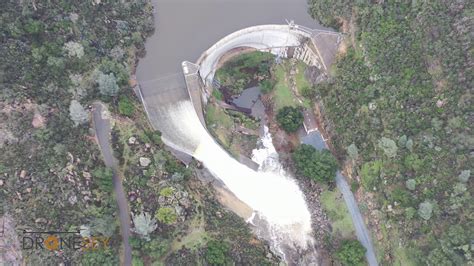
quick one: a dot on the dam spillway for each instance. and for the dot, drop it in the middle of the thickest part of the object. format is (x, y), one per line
(175, 108)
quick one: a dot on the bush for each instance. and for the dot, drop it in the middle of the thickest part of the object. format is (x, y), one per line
(166, 192)
(289, 118)
(318, 165)
(104, 178)
(267, 85)
(370, 173)
(216, 253)
(78, 114)
(107, 84)
(411, 184)
(144, 224)
(126, 107)
(425, 210)
(166, 215)
(100, 257)
(351, 252)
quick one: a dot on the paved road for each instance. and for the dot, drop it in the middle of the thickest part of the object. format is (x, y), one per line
(357, 220)
(102, 131)
(363, 235)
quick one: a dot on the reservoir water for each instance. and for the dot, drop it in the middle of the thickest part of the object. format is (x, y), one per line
(186, 28)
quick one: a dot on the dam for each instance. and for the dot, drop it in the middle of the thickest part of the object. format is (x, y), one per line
(174, 104)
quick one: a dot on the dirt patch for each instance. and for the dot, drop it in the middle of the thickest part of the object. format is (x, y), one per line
(10, 248)
(229, 200)
(39, 121)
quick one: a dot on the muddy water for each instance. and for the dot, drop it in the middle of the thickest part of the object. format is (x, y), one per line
(186, 28)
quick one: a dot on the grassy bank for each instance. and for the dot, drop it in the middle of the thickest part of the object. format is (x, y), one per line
(336, 209)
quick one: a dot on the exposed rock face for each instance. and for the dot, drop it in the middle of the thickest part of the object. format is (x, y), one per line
(144, 161)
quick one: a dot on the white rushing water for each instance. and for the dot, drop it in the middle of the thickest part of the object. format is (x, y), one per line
(270, 192)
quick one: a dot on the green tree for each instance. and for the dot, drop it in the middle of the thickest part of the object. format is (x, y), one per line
(78, 113)
(166, 215)
(388, 146)
(318, 165)
(107, 84)
(289, 118)
(137, 261)
(351, 252)
(216, 253)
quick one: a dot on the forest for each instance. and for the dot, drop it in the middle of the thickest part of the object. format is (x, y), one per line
(398, 109)
(57, 59)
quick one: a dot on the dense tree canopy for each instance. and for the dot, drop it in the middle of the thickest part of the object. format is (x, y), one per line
(351, 252)
(318, 165)
(401, 92)
(216, 252)
(290, 118)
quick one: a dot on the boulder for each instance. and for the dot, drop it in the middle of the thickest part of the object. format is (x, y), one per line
(132, 140)
(144, 161)
(23, 174)
(86, 175)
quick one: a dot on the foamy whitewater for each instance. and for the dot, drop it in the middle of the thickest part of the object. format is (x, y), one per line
(270, 192)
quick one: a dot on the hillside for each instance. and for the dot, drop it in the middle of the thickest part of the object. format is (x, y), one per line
(399, 111)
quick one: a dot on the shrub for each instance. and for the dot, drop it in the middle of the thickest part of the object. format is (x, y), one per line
(410, 213)
(411, 184)
(126, 106)
(289, 118)
(166, 192)
(104, 178)
(107, 84)
(267, 85)
(317, 165)
(78, 113)
(425, 210)
(74, 49)
(137, 261)
(144, 224)
(351, 252)
(388, 146)
(166, 215)
(104, 257)
(216, 252)
(352, 151)
(464, 176)
(370, 173)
